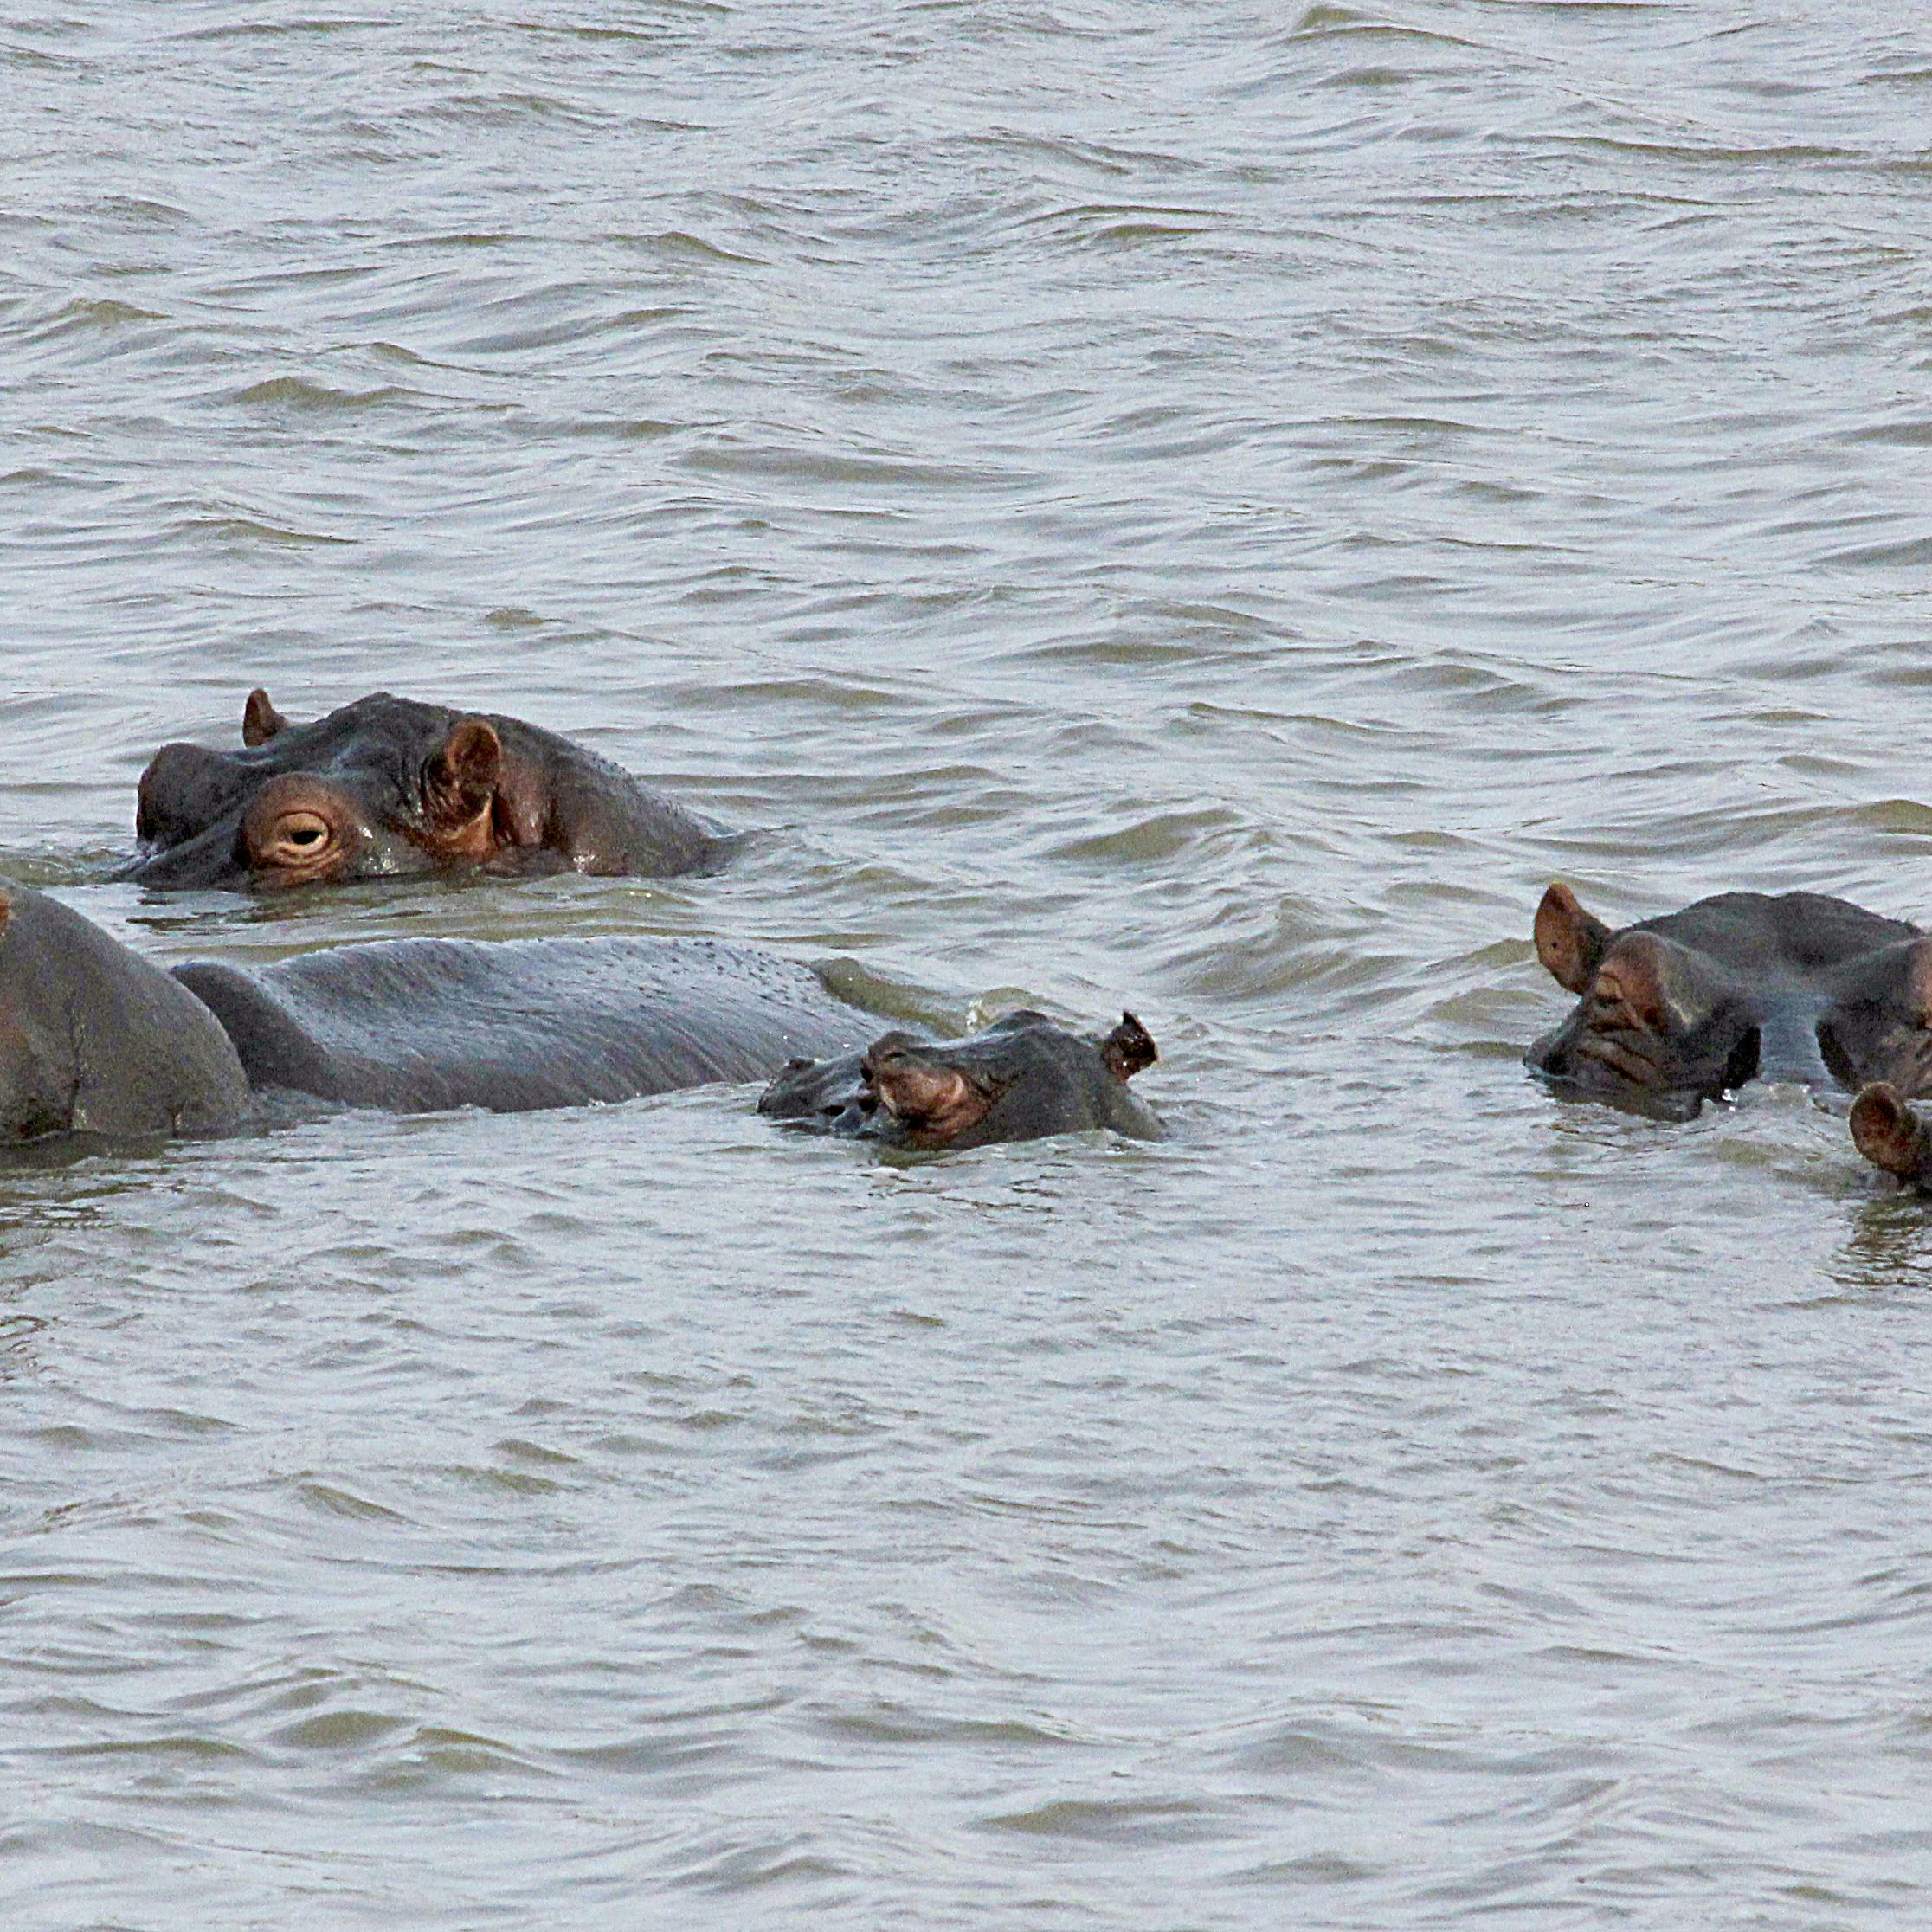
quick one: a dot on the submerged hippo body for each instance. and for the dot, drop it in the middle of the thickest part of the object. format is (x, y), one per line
(94, 1038)
(414, 1026)
(1677, 1010)
(386, 788)
(1020, 1079)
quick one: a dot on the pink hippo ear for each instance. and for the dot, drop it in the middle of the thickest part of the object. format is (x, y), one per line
(1128, 1048)
(1569, 941)
(6, 914)
(935, 1104)
(260, 719)
(459, 778)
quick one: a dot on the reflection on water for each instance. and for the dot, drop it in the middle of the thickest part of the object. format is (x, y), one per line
(1206, 510)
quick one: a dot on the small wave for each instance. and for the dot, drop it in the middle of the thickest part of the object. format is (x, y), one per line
(339, 1730)
(1914, 553)
(299, 392)
(1116, 1821)
(502, 110)
(91, 314)
(249, 531)
(1325, 18)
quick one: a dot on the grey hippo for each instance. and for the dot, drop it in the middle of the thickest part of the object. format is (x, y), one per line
(1689, 1006)
(95, 1038)
(1020, 1078)
(387, 788)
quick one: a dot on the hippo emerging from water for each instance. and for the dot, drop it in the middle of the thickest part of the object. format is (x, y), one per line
(1018, 1079)
(387, 786)
(1678, 1010)
(95, 1038)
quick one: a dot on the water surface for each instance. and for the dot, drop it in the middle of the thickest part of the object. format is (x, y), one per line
(1207, 508)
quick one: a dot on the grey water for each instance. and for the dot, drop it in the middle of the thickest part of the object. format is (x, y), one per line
(1206, 508)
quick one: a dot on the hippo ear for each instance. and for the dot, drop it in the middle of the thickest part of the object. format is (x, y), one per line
(1887, 1132)
(6, 914)
(260, 719)
(1128, 1048)
(935, 1103)
(460, 778)
(1569, 941)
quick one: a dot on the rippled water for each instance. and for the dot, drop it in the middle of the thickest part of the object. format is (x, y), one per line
(1207, 507)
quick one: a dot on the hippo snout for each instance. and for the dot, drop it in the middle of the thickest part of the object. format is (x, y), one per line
(823, 1097)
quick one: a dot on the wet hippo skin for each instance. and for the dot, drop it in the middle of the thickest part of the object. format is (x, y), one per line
(94, 1038)
(1022, 1078)
(387, 788)
(416, 1025)
(1677, 1010)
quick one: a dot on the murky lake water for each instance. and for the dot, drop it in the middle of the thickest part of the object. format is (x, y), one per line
(1203, 507)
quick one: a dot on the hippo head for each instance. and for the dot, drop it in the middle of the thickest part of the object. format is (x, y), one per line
(1658, 1028)
(1017, 1080)
(381, 788)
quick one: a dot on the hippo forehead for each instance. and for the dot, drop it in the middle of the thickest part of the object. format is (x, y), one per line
(1020, 1044)
(380, 738)
(1024, 1051)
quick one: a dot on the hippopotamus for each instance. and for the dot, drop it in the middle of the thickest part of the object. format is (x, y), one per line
(95, 1038)
(414, 1026)
(1020, 1079)
(387, 786)
(1684, 1008)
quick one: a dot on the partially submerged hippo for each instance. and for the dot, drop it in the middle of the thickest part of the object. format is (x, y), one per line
(387, 786)
(1018, 1079)
(414, 1026)
(1684, 1008)
(94, 1038)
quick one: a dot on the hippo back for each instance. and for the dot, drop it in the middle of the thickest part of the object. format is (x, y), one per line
(94, 1039)
(417, 1024)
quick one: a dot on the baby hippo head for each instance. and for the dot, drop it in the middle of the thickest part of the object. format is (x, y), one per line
(1658, 1028)
(1020, 1079)
(378, 789)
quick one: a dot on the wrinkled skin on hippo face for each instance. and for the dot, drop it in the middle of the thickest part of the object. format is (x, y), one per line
(385, 787)
(1688, 1007)
(1021, 1079)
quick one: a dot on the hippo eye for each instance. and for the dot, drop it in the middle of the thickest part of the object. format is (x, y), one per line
(296, 836)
